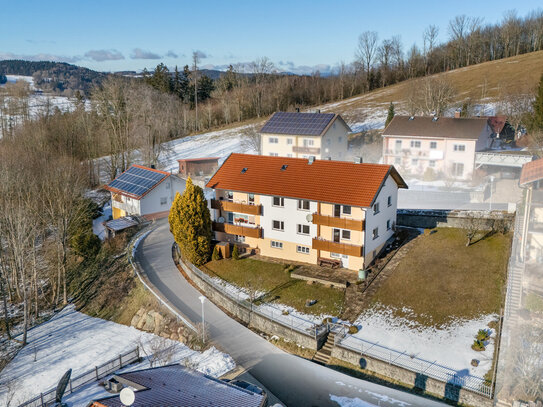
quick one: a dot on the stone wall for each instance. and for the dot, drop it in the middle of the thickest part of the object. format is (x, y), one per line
(410, 378)
(428, 219)
(245, 314)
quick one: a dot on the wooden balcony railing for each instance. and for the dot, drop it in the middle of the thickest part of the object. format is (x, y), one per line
(341, 223)
(237, 230)
(342, 248)
(239, 207)
(306, 150)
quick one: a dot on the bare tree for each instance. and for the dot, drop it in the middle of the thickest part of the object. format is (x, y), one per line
(434, 95)
(195, 61)
(366, 51)
(252, 139)
(473, 226)
(429, 38)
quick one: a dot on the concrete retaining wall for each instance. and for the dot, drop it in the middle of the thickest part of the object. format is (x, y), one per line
(429, 219)
(410, 378)
(243, 313)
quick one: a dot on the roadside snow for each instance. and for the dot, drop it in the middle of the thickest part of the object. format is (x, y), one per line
(350, 402)
(74, 340)
(98, 224)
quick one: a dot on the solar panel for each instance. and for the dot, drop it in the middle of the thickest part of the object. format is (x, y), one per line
(297, 123)
(137, 181)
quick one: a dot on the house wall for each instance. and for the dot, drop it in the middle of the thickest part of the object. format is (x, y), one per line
(198, 168)
(151, 203)
(128, 206)
(467, 157)
(379, 220)
(335, 142)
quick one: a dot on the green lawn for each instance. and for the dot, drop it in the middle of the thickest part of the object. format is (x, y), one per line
(276, 282)
(440, 279)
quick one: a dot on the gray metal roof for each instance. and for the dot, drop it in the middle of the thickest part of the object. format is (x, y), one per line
(176, 385)
(443, 127)
(121, 223)
(310, 124)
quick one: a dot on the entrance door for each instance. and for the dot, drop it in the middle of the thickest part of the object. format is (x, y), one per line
(337, 211)
(337, 233)
(345, 261)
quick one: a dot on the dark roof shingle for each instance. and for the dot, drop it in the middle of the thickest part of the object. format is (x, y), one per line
(328, 181)
(447, 127)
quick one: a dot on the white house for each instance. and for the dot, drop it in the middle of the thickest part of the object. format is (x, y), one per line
(301, 135)
(313, 211)
(144, 192)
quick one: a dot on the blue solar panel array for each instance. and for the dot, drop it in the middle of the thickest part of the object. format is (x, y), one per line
(136, 181)
(297, 123)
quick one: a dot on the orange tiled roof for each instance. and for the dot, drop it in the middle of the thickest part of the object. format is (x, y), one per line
(531, 172)
(337, 182)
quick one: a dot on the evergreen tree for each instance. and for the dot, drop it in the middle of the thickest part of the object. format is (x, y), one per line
(235, 253)
(390, 114)
(537, 117)
(190, 224)
(216, 255)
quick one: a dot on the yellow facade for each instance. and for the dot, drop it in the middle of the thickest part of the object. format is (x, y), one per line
(118, 213)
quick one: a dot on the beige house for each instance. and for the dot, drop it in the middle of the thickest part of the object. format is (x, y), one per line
(302, 135)
(442, 145)
(313, 211)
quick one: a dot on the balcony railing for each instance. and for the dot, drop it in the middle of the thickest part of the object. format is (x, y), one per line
(306, 150)
(239, 207)
(238, 230)
(334, 247)
(341, 223)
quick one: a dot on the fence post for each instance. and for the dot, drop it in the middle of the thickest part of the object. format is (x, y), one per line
(96, 370)
(71, 391)
(120, 360)
(41, 398)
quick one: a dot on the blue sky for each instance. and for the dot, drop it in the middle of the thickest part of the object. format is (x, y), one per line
(296, 35)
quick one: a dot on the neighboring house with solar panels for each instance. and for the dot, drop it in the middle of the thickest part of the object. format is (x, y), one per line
(313, 211)
(531, 178)
(143, 191)
(176, 385)
(302, 135)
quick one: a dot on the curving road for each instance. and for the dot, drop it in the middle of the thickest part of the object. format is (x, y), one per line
(293, 380)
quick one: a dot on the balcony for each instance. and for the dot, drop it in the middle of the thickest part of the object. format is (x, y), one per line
(238, 207)
(306, 150)
(238, 230)
(393, 152)
(341, 248)
(335, 222)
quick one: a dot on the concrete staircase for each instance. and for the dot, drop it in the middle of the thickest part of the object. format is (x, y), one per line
(324, 354)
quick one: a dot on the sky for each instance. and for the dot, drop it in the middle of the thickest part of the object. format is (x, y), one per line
(298, 36)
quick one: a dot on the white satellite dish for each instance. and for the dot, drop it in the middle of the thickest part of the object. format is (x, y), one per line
(127, 396)
(221, 220)
(309, 217)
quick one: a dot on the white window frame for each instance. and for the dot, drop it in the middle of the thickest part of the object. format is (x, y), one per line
(433, 145)
(376, 208)
(343, 236)
(300, 229)
(308, 142)
(432, 164)
(459, 147)
(303, 249)
(301, 204)
(289, 141)
(274, 154)
(415, 144)
(389, 201)
(389, 223)
(273, 140)
(375, 233)
(281, 225)
(164, 200)
(349, 212)
(281, 202)
(276, 245)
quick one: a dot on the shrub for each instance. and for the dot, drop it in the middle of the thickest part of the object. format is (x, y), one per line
(285, 312)
(478, 345)
(216, 254)
(326, 320)
(482, 335)
(429, 175)
(235, 253)
(353, 329)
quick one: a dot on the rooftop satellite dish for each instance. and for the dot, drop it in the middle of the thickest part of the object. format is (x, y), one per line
(127, 396)
(221, 220)
(309, 217)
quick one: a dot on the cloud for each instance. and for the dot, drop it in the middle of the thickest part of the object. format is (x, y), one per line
(40, 57)
(171, 54)
(201, 54)
(31, 41)
(100, 55)
(138, 53)
(304, 69)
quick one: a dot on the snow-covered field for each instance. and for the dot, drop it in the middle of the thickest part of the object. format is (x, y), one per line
(74, 340)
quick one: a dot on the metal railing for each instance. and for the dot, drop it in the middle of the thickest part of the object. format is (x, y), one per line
(92, 375)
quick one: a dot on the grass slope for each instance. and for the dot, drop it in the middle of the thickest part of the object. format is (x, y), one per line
(440, 279)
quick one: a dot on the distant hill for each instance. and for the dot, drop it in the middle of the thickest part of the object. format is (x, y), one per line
(58, 78)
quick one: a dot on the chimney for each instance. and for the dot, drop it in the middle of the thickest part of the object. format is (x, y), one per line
(457, 114)
(358, 160)
(297, 110)
(311, 159)
(318, 110)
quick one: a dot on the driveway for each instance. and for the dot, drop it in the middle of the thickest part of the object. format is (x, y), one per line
(293, 380)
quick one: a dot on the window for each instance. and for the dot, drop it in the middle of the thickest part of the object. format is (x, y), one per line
(163, 201)
(414, 161)
(389, 200)
(375, 233)
(278, 201)
(459, 147)
(303, 205)
(388, 224)
(346, 209)
(415, 144)
(397, 161)
(346, 234)
(398, 145)
(336, 255)
(289, 155)
(376, 208)
(229, 195)
(167, 185)
(278, 225)
(431, 164)
(251, 199)
(230, 217)
(458, 169)
(274, 154)
(303, 249)
(340, 139)
(289, 141)
(433, 144)
(276, 245)
(273, 140)
(240, 239)
(303, 229)
(308, 142)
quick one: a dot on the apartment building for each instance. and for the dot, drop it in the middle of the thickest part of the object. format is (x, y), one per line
(144, 191)
(301, 135)
(313, 211)
(446, 145)
(531, 178)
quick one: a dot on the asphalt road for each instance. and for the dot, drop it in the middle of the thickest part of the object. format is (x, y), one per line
(293, 380)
